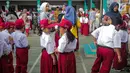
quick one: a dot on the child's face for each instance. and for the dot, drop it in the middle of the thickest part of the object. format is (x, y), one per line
(23, 29)
(62, 30)
(11, 30)
(109, 21)
(46, 30)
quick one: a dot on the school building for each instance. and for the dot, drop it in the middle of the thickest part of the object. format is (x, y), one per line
(35, 3)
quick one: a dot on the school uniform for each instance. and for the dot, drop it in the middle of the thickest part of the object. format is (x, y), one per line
(10, 56)
(107, 39)
(66, 58)
(92, 18)
(21, 44)
(47, 42)
(84, 26)
(27, 27)
(124, 40)
(4, 51)
(48, 45)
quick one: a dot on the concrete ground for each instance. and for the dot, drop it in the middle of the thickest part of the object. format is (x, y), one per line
(84, 63)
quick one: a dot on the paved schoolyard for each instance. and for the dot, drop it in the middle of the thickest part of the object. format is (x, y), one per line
(84, 63)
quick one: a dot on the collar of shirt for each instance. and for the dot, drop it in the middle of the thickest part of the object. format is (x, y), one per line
(18, 31)
(6, 31)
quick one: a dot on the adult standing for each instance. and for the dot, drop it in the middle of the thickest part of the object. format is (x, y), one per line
(44, 11)
(63, 8)
(23, 15)
(115, 14)
(92, 17)
(84, 25)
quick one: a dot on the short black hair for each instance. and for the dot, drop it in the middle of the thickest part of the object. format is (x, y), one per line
(57, 7)
(70, 36)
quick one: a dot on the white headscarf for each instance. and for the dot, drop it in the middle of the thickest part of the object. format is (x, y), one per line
(43, 7)
(81, 10)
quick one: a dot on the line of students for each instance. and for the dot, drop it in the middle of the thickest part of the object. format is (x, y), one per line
(12, 34)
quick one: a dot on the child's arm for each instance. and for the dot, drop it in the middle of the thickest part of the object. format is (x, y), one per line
(117, 45)
(95, 34)
(54, 58)
(95, 40)
(117, 50)
(24, 42)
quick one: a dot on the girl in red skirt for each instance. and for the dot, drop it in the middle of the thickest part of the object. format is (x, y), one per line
(84, 25)
(48, 58)
(124, 39)
(27, 26)
(107, 40)
(67, 45)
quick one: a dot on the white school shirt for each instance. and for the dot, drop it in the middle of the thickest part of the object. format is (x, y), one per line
(83, 20)
(6, 38)
(47, 42)
(20, 39)
(124, 36)
(107, 36)
(27, 25)
(64, 46)
(3, 48)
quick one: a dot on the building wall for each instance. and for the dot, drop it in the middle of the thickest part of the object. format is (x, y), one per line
(33, 3)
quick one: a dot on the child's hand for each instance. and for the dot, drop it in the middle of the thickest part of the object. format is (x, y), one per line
(119, 59)
(54, 61)
(11, 40)
(56, 51)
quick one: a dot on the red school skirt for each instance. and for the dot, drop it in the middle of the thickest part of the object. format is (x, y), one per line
(27, 31)
(10, 63)
(21, 60)
(123, 64)
(4, 64)
(57, 37)
(47, 63)
(66, 63)
(84, 29)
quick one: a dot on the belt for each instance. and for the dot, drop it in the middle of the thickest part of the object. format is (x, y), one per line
(21, 48)
(43, 49)
(4, 56)
(123, 43)
(67, 52)
(105, 47)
